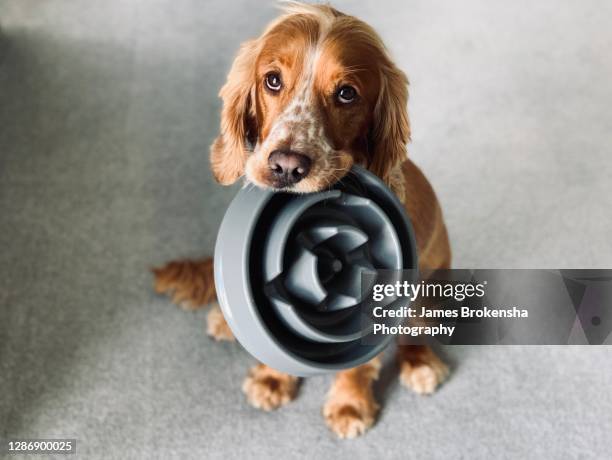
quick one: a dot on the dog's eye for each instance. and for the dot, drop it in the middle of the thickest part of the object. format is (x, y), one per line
(346, 94)
(273, 82)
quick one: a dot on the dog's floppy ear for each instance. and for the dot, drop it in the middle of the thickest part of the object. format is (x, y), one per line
(390, 131)
(228, 152)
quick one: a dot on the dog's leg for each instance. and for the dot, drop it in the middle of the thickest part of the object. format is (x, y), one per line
(217, 327)
(420, 368)
(268, 389)
(191, 285)
(350, 408)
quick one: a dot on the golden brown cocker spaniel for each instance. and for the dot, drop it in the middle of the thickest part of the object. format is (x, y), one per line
(313, 95)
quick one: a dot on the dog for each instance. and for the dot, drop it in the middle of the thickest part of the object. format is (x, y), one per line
(315, 94)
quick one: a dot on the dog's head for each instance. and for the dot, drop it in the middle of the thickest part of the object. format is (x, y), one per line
(316, 93)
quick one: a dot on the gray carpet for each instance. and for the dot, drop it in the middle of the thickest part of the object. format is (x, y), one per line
(107, 109)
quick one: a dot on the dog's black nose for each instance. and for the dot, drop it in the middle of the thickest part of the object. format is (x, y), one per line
(288, 167)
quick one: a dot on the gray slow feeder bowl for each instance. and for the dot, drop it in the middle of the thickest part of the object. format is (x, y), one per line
(288, 271)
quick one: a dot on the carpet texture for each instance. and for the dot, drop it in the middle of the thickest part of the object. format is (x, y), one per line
(107, 110)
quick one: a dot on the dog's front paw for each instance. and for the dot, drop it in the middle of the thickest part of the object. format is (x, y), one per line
(349, 420)
(424, 377)
(268, 389)
(217, 327)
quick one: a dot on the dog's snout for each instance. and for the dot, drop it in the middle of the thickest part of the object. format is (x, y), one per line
(288, 167)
